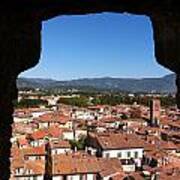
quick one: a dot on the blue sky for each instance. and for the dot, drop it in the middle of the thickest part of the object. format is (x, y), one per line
(101, 45)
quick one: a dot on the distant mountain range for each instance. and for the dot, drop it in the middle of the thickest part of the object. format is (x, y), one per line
(165, 84)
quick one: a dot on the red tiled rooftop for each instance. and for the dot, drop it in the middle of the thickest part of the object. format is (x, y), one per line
(74, 163)
(22, 141)
(119, 141)
(40, 150)
(39, 134)
(60, 144)
(55, 131)
(54, 117)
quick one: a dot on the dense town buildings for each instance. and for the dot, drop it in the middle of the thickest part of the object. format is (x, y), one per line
(97, 142)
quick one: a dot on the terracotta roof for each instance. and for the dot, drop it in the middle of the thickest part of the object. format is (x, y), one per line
(39, 134)
(118, 141)
(149, 146)
(22, 141)
(15, 152)
(135, 175)
(156, 154)
(60, 144)
(55, 131)
(40, 150)
(109, 119)
(175, 124)
(166, 176)
(167, 145)
(83, 163)
(118, 176)
(110, 167)
(52, 131)
(17, 162)
(21, 128)
(53, 117)
(35, 167)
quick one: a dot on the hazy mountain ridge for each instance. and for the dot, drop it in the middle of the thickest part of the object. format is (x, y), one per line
(163, 84)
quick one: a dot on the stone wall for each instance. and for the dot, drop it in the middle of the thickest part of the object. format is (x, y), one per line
(20, 44)
(19, 50)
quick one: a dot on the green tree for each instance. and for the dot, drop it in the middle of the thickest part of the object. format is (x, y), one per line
(27, 103)
(81, 101)
(80, 144)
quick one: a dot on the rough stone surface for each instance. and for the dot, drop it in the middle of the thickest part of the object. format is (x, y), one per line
(20, 43)
(167, 44)
(19, 50)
